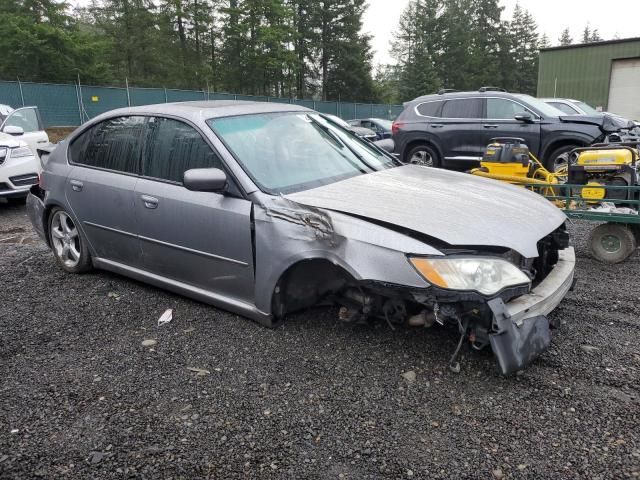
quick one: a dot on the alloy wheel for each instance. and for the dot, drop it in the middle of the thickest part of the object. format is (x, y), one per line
(421, 157)
(65, 239)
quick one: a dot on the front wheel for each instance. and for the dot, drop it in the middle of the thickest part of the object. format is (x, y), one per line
(424, 155)
(559, 159)
(67, 242)
(612, 242)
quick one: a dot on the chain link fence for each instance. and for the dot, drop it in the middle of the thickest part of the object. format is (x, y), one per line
(71, 105)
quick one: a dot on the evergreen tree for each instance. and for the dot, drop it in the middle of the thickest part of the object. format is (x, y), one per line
(595, 36)
(544, 41)
(565, 38)
(525, 50)
(586, 34)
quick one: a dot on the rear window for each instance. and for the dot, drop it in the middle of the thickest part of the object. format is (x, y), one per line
(430, 109)
(113, 145)
(462, 108)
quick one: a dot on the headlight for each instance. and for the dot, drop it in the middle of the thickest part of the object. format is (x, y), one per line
(484, 275)
(21, 152)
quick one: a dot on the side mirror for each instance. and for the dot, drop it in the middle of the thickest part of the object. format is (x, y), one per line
(524, 117)
(13, 130)
(205, 180)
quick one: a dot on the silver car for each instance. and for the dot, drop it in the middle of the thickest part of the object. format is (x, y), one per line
(265, 209)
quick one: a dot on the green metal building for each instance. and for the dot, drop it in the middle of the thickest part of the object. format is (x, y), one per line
(605, 75)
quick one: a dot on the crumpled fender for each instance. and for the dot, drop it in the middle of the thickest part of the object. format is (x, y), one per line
(287, 232)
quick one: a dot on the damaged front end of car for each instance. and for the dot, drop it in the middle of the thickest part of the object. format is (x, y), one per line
(492, 296)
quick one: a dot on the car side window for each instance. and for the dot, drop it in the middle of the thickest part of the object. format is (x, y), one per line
(462, 108)
(172, 148)
(114, 144)
(504, 109)
(25, 118)
(563, 107)
(430, 109)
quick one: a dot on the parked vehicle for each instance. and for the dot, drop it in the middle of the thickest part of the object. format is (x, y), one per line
(19, 169)
(451, 129)
(380, 126)
(24, 123)
(268, 208)
(576, 107)
(362, 132)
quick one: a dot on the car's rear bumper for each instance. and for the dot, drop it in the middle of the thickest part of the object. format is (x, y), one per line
(523, 328)
(36, 210)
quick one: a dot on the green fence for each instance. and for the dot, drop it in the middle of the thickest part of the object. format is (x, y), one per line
(70, 105)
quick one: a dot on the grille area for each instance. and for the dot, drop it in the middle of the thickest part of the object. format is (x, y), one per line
(4, 187)
(24, 180)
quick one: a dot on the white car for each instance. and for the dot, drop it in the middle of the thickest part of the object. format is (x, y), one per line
(24, 123)
(19, 169)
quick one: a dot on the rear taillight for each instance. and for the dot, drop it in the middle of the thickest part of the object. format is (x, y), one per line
(40, 182)
(396, 126)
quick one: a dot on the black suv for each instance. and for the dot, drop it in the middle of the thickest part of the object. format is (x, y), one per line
(451, 129)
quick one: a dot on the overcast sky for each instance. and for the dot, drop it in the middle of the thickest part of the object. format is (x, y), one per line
(613, 17)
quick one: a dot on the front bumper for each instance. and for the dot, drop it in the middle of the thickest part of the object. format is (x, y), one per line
(522, 326)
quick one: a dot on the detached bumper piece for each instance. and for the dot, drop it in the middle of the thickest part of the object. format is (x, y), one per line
(35, 210)
(522, 326)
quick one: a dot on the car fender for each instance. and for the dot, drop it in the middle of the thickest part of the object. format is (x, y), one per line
(287, 233)
(555, 139)
(409, 137)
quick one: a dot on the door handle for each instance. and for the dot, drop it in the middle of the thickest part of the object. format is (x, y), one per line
(76, 185)
(42, 141)
(149, 202)
(487, 125)
(437, 125)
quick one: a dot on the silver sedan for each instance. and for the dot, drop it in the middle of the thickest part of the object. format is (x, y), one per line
(265, 209)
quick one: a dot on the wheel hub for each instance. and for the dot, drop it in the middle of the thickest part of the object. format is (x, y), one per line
(611, 243)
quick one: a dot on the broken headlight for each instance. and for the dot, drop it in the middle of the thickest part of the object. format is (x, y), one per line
(487, 276)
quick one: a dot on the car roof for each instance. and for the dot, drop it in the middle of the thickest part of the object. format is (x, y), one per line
(209, 109)
(476, 93)
(571, 100)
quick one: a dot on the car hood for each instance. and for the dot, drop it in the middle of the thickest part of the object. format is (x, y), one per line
(456, 208)
(608, 123)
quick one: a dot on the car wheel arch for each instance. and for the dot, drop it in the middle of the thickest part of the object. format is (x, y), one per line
(559, 143)
(305, 282)
(420, 141)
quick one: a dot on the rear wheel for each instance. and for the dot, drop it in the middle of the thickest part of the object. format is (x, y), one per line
(67, 242)
(424, 155)
(612, 242)
(559, 158)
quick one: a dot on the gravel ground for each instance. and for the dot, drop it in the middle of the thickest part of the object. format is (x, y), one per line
(81, 397)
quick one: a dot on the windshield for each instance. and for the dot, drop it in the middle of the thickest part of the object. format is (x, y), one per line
(544, 108)
(588, 109)
(288, 152)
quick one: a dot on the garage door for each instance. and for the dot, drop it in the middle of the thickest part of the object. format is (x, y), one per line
(624, 90)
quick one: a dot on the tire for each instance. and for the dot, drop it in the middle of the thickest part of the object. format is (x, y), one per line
(558, 157)
(68, 243)
(423, 154)
(612, 242)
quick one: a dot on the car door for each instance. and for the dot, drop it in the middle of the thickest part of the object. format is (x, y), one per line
(28, 119)
(100, 187)
(461, 131)
(500, 122)
(199, 238)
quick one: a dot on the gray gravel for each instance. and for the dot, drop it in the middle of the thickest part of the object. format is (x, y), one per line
(218, 396)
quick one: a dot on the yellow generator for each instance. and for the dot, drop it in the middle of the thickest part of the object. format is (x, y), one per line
(508, 159)
(604, 169)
